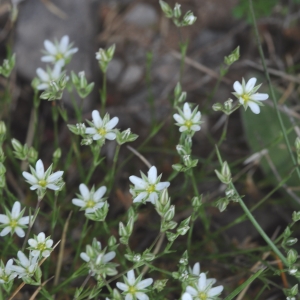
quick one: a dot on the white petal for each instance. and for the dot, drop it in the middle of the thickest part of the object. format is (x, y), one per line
(197, 117)
(259, 97)
(30, 177)
(195, 127)
(183, 128)
(250, 85)
(50, 47)
(112, 123)
(39, 168)
(196, 269)
(90, 130)
(152, 175)
(42, 86)
(186, 296)
(70, 52)
(187, 111)
(4, 219)
(16, 210)
(140, 197)
(85, 257)
(215, 291)
(32, 243)
(97, 137)
(49, 243)
(47, 58)
(138, 182)
(35, 186)
(141, 296)
(191, 291)
(254, 107)
(153, 198)
(55, 176)
(179, 119)
(110, 136)
(46, 253)
(238, 88)
(41, 237)
(24, 220)
(35, 252)
(19, 231)
(202, 282)
(162, 185)
(23, 259)
(78, 202)
(144, 283)
(52, 186)
(109, 256)
(129, 297)
(97, 119)
(84, 191)
(42, 74)
(122, 286)
(5, 231)
(99, 193)
(63, 45)
(131, 277)
(57, 69)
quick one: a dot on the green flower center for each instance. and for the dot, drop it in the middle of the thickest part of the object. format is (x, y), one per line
(4, 278)
(13, 223)
(41, 247)
(132, 290)
(246, 97)
(59, 56)
(42, 183)
(202, 296)
(90, 204)
(151, 188)
(102, 131)
(188, 124)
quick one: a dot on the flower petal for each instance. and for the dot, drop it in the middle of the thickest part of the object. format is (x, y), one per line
(64, 43)
(42, 74)
(30, 177)
(131, 277)
(24, 220)
(187, 111)
(5, 231)
(140, 197)
(55, 176)
(99, 193)
(111, 136)
(162, 185)
(39, 167)
(152, 175)
(16, 210)
(97, 119)
(215, 291)
(250, 85)
(20, 232)
(84, 191)
(109, 256)
(179, 119)
(122, 286)
(112, 123)
(238, 88)
(259, 97)
(196, 269)
(144, 283)
(138, 182)
(49, 46)
(202, 282)
(141, 296)
(254, 107)
(4, 219)
(78, 202)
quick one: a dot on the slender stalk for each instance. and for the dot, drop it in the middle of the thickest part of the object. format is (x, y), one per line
(103, 94)
(283, 129)
(113, 170)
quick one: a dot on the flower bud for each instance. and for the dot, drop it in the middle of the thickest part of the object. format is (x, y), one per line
(177, 11)
(2, 128)
(291, 241)
(292, 256)
(57, 154)
(166, 9)
(296, 216)
(233, 57)
(169, 215)
(112, 241)
(189, 19)
(217, 107)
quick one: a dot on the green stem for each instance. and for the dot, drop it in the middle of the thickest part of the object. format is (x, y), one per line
(183, 49)
(113, 170)
(103, 94)
(271, 88)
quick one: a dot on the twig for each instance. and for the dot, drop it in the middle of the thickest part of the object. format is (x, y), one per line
(140, 156)
(39, 288)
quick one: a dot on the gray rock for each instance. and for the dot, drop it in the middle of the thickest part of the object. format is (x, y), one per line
(114, 69)
(142, 14)
(37, 23)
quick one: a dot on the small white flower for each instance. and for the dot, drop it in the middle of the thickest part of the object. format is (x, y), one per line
(204, 289)
(58, 51)
(14, 221)
(246, 93)
(134, 288)
(6, 273)
(196, 269)
(102, 129)
(189, 19)
(90, 201)
(40, 245)
(46, 77)
(188, 120)
(41, 180)
(98, 262)
(147, 188)
(26, 266)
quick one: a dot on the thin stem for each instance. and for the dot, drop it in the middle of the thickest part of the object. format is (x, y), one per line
(113, 170)
(103, 94)
(271, 88)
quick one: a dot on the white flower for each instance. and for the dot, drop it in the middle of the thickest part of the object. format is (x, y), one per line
(188, 120)
(26, 266)
(134, 288)
(90, 201)
(204, 290)
(6, 273)
(41, 180)
(189, 18)
(99, 262)
(14, 221)
(246, 93)
(40, 245)
(147, 189)
(58, 51)
(50, 75)
(196, 269)
(102, 129)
